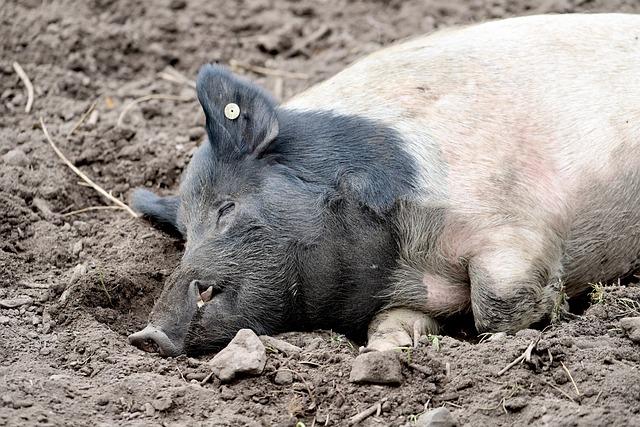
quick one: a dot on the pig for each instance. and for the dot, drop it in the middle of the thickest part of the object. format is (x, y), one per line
(491, 171)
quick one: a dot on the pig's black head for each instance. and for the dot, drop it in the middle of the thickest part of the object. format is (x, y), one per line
(277, 209)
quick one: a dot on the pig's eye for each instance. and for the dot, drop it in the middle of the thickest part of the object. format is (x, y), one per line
(225, 209)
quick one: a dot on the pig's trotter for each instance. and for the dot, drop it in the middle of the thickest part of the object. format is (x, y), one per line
(399, 327)
(509, 293)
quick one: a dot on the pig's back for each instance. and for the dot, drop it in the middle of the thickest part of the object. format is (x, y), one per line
(534, 118)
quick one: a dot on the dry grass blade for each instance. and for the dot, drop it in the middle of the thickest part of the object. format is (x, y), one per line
(561, 391)
(575, 386)
(27, 83)
(82, 175)
(267, 71)
(151, 97)
(92, 208)
(82, 118)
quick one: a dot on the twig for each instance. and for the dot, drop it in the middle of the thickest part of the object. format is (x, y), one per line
(302, 45)
(361, 416)
(146, 98)
(524, 356)
(82, 175)
(27, 83)
(306, 384)
(207, 378)
(173, 75)
(419, 368)
(33, 285)
(455, 405)
(82, 118)
(267, 71)
(571, 378)
(91, 208)
(180, 372)
(561, 391)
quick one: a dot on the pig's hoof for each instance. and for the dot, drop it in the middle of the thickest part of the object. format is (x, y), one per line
(398, 328)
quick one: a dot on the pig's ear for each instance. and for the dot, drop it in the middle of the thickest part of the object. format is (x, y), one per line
(161, 211)
(241, 117)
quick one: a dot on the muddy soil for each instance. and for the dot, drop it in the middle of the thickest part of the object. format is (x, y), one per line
(87, 279)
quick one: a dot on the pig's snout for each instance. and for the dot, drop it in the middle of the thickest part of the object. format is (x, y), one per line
(153, 340)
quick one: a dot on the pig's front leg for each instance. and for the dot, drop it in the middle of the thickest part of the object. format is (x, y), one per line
(511, 289)
(398, 327)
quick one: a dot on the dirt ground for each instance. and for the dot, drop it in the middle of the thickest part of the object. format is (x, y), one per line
(90, 278)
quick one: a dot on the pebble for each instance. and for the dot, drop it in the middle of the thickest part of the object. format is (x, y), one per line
(103, 400)
(36, 320)
(149, 410)
(45, 351)
(515, 404)
(43, 206)
(226, 393)
(4, 320)
(16, 157)
(15, 302)
(439, 417)
(631, 327)
(280, 345)
(245, 354)
(163, 401)
(77, 248)
(499, 336)
(283, 377)
(314, 344)
(377, 367)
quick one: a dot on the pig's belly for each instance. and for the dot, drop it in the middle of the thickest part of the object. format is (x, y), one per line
(604, 239)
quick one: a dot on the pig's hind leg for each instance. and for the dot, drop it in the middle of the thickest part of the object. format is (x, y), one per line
(511, 289)
(399, 327)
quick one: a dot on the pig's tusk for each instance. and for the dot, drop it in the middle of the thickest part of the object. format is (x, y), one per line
(205, 297)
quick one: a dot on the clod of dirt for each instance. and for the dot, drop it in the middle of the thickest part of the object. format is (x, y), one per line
(377, 367)
(15, 302)
(16, 157)
(631, 327)
(245, 354)
(283, 377)
(279, 345)
(439, 417)
(163, 401)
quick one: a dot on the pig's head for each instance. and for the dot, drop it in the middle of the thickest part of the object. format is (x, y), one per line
(253, 206)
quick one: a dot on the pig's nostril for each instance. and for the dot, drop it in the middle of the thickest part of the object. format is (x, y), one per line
(153, 340)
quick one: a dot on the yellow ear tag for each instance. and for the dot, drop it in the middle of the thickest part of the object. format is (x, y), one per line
(231, 111)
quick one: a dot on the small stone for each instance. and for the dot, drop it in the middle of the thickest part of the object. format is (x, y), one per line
(163, 401)
(16, 157)
(36, 320)
(226, 393)
(15, 302)
(78, 271)
(631, 327)
(515, 404)
(102, 400)
(177, 4)
(283, 377)
(149, 410)
(314, 344)
(245, 354)
(4, 320)
(43, 206)
(279, 345)
(93, 119)
(77, 248)
(45, 351)
(376, 367)
(499, 336)
(32, 335)
(439, 417)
